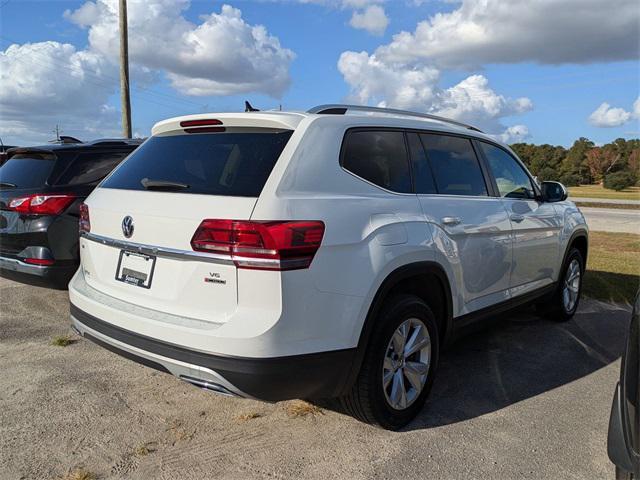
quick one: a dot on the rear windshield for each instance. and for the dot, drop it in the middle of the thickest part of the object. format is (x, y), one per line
(26, 170)
(233, 164)
(88, 168)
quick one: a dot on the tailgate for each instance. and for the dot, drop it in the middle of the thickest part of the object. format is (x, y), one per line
(155, 267)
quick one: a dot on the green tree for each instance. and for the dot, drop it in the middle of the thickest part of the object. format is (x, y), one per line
(618, 180)
(574, 164)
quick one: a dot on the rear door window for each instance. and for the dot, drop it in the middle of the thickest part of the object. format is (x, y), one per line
(89, 168)
(379, 157)
(455, 166)
(27, 170)
(232, 164)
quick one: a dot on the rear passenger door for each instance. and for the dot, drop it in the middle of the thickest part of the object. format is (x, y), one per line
(471, 228)
(535, 224)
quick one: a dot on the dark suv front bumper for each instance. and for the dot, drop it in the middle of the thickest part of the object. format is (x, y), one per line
(618, 442)
(310, 376)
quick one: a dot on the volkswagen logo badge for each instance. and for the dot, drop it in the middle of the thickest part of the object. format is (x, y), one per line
(127, 226)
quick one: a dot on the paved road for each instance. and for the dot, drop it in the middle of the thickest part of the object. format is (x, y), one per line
(605, 200)
(612, 219)
(527, 399)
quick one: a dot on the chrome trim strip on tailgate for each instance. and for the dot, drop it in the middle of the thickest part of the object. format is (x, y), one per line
(159, 251)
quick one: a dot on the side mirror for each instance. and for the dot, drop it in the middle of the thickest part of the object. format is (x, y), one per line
(554, 192)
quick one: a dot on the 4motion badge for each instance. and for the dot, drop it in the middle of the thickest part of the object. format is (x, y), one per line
(214, 278)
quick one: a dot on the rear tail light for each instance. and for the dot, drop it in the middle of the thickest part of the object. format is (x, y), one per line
(41, 204)
(269, 245)
(84, 223)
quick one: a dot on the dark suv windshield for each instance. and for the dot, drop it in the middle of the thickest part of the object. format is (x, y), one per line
(26, 170)
(233, 164)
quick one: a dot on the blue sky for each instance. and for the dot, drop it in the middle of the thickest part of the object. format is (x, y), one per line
(547, 83)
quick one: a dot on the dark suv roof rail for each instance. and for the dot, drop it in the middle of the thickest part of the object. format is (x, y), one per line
(341, 109)
(63, 139)
(116, 141)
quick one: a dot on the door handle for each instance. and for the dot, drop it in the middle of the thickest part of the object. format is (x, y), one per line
(451, 221)
(516, 217)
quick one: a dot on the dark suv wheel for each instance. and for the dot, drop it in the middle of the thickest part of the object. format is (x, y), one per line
(399, 366)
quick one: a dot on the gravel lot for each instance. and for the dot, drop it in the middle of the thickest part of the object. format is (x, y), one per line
(526, 398)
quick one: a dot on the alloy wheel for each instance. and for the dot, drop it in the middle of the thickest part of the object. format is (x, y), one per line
(571, 287)
(406, 363)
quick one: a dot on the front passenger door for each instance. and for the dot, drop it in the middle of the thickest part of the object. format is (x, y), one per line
(535, 225)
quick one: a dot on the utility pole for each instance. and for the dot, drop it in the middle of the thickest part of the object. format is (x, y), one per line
(124, 72)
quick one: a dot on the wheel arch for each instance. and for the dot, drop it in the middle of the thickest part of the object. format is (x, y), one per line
(580, 240)
(414, 278)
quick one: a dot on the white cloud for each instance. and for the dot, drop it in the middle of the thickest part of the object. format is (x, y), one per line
(359, 3)
(373, 19)
(606, 116)
(405, 73)
(472, 100)
(222, 55)
(367, 15)
(49, 83)
(373, 81)
(508, 31)
(45, 83)
(514, 134)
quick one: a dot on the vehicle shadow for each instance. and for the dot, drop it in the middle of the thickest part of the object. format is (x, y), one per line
(33, 280)
(617, 287)
(519, 356)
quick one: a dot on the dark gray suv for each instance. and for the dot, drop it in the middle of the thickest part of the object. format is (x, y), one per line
(41, 189)
(624, 425)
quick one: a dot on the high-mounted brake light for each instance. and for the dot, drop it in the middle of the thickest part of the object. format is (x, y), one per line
(203, 125)
(84, 223)
(200, 123)
(262, 245)
(41, 204)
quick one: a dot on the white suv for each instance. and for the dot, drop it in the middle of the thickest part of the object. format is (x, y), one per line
(326, 254)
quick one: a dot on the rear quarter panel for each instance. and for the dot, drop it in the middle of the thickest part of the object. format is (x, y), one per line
(368, 232)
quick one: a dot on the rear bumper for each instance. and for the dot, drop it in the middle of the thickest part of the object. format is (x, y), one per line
(316, 375)
(58, 274)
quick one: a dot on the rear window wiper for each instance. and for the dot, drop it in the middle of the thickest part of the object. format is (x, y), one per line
(150, 184)
(8, 185)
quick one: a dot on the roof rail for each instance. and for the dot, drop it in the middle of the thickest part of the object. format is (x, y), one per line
(116, 141)
(340, 109)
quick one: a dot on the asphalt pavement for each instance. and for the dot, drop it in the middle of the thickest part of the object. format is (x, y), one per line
(621, 201)
(612, 219)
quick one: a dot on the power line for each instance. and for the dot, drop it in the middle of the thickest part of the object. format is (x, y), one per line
(103, 77)
(97, 82)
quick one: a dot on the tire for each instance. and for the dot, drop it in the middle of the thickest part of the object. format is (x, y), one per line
(623, 474)
(564, 302)
(371, 402)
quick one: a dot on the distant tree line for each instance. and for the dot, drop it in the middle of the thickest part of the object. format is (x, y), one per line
(616, 165)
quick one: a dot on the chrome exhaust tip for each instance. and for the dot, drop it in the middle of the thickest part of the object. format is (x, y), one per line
(206, 385)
